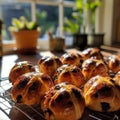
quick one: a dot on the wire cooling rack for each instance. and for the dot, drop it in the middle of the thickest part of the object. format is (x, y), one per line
(24, 112)
(5, 101)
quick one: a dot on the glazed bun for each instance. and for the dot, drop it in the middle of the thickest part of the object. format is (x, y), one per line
(72, 59)
(49, 64)
(20, 68)
(92, 67)
(92, 53)
(114, 63)
(63, 102)
(101, 95)
(30, 88)
(69, 73)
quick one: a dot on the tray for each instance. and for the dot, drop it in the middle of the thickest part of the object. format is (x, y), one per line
(24, 112)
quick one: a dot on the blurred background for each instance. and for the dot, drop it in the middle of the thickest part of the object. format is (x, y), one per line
(52, 14)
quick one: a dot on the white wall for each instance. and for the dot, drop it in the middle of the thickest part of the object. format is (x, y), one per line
(104, 17)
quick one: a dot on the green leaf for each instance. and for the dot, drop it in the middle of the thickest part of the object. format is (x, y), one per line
(94, 5)
(71, 27)
(23, 19)
(23, 24)
(30, 25)
(79, 4)
(16, 23)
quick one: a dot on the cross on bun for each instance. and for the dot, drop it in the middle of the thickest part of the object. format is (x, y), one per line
(30, 88)
(72, 59)
(101, 94)
(92, 67)
(92, 53)
(63, 102)
(69, 73)
(49, 64)
(20, 68)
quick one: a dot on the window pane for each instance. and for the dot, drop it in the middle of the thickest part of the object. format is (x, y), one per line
(67, 15)
(68, 12)
(47, 18)
(11, 10)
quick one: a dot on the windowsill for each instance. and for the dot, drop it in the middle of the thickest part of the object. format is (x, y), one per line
(10, 47)
(43, 45)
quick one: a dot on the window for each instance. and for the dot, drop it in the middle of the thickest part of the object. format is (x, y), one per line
(47, 18)
(11, 10)
(48, 13)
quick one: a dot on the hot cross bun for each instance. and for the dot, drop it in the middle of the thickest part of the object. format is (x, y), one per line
(30, 88)
(20, 68)
(63, 102)
(101, 94)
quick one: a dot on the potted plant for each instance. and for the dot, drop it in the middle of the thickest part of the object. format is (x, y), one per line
(96, 39)
(56, 44)
(25, 33)
(83, 21)
(90, 7)
(75, 27)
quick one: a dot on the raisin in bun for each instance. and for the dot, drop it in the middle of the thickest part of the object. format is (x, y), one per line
(92, 67)
(30, 88)
(113, 63)
(63, 102)
(101, 94)
(49, 64)
(20, 68)
(69, 73)
(92, 52)
(72, 58)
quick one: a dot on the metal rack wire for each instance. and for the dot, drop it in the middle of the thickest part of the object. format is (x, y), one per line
(13, 111)
(5, 102)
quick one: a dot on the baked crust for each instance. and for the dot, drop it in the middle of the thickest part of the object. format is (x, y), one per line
(63, 102)
(113, 63)
(92, 67)
(101, 94)
(72, 59)
(48, 65)
(30, 88)
(92, 53)
(69, 73)
(20, 68)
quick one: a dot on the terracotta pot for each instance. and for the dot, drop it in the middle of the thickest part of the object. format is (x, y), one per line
(57, 44)
(26, 40)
